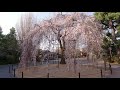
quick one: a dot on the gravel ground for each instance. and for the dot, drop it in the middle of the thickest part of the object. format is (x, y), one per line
(64, 71)
(84, 67)
(4, 71)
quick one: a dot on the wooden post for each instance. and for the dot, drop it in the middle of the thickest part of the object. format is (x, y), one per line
(9, 68)
(12, 67)
(14, 72)
(110, 68)
(74, 66)
(58, 62)
(48, 75)
(101, 73)
(58, 56)
(79, 74)
(22, 74)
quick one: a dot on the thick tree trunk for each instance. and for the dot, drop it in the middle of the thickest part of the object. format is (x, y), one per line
(62, 47)
(113, 36)
(62, 56)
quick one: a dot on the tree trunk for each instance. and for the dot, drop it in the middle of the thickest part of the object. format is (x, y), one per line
(112, 27)
(114, 37)
(110, 56)
(62, 56)
(62, 47)
(88, 56)
(105, 64)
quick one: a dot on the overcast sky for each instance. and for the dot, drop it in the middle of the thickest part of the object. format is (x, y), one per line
(9, 19)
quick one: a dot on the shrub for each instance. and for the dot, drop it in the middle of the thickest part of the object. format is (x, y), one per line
(115, 59)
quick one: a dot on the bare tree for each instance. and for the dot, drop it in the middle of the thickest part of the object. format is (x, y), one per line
(25, 25)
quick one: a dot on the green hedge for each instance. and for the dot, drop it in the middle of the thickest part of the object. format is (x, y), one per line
(8, 59)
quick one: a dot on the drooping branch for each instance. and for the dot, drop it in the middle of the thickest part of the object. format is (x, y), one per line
(66, 28)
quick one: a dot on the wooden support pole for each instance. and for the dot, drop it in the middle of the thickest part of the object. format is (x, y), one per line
(12, 67)
(48, 75)
(110, 68)
(58, 62)
(101, 73)
(14, 72)
(22, 74)
(79, 74)
(9, 68)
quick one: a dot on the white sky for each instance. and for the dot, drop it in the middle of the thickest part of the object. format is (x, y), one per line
(9, 19)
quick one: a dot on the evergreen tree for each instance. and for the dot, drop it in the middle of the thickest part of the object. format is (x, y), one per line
(111, 24)
(9, 49)
(12, 47)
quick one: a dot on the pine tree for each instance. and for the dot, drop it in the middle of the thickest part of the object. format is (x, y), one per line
(110, 21)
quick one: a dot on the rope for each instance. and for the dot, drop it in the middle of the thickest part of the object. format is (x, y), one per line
(89, 74)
